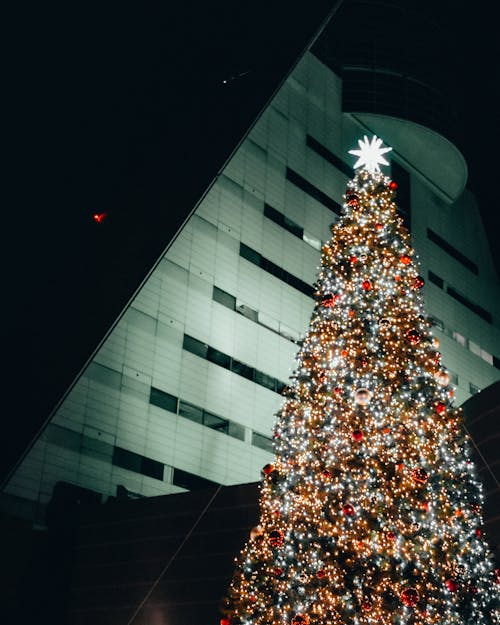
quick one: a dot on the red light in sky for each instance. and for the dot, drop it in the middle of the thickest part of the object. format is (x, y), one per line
(99, 217)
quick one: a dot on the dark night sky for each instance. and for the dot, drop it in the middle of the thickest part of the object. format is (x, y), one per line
(121, 107)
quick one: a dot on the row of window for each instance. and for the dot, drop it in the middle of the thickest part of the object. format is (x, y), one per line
(257, 259)
(194, 413)
(476, 308)
(314, 192)
(211, 354)
(286, 223)
(230, 301)
(452, 251)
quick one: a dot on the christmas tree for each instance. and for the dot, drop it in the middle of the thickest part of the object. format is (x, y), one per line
(371, 511)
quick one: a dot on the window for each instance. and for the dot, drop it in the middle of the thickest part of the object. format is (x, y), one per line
(242, 369)
(486, 356)
(163, 400)
(283, 221)
(479, 310)
(311, 190)
(452, 251)
(152, 468)
(275, 270)
(218, 358)
(248, 312)
(194, 346)
(214, 422)
(496, 362)
(261, 441)
(435, 279)
(312, 241)
(328, 156)
(453, 378)
(265, 380)
(227, 300)
(461, 340)
(236, 431)
(437, 323)
(190, 481)
(137, 463)
(191, 412)
(473, 389)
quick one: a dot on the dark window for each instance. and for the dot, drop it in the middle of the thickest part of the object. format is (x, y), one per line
(163, 400)
(403, 195)
(437, 323)
(311, 190)
(227, 300)
(473, 389)
(248, 312)
(435, 279)
(496, 362)
(190, 411)
(280, 386)
(127, 459)
(251, 255)
(265, 380)
(261, 441)
(137, 463)
(236, 431)
(153, 468)
(479, 310)
(328, 156)
(194, 346)
(275, 270)
(191, 481)
(452, 251)
(283, 221)
(215, 423)
(218, 358)
(242, 369)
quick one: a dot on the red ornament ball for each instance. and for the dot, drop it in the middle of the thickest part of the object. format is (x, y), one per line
(225, 621)
(410, 597)
(497, 575)
(479, 532)
(366, 285)
(393, 185)
(367, 606)
(440, 407)
(391, 535)
(420, 475)
(474, 590)
(405, 259)
(353, 259)
(328, 301)
(278, 571)
(413, 337)
(320, 574)
(379, 226)
(337, 390)
(300, 619)
(276, 538)
(418, 283)
(267, 469)
(451, 584)
(357, 435)
(348, 509)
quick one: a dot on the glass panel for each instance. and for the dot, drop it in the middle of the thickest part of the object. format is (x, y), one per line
(194, 346)
(217, 357)
(214, 422)
(236, 431)
(226, 299)
(163, 400)
(242, 369)
(190, 411)
(261, 441)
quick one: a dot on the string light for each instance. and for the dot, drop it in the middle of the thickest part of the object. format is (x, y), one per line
(371, 509)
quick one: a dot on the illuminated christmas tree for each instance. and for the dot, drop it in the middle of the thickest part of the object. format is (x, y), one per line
(371, 511)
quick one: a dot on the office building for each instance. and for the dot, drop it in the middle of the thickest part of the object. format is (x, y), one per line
(181, 394)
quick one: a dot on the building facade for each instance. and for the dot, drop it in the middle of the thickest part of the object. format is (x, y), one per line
(182, 393)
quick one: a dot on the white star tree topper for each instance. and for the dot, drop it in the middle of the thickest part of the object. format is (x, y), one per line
(370, 154)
